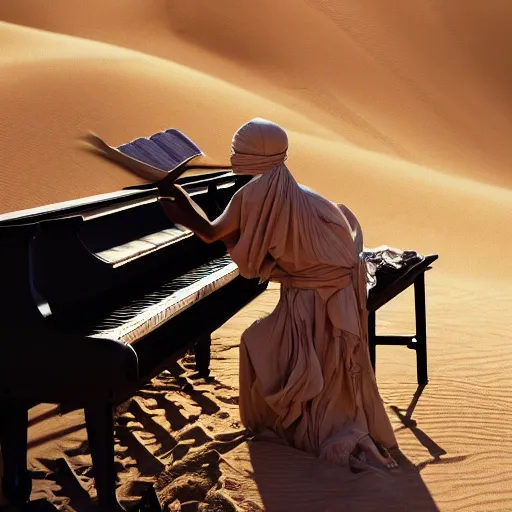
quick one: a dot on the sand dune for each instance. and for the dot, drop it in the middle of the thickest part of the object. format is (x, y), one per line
(408, 81)
(400, 110)
(62, 86)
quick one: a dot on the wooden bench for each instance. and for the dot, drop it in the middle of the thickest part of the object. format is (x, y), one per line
(390, 283)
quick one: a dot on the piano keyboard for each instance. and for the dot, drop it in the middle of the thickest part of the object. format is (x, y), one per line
(142, 316)
(125, 253)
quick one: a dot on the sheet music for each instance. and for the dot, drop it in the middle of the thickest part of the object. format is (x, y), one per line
(165, 151)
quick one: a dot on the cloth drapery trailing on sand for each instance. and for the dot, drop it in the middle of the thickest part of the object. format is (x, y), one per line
(305, 371)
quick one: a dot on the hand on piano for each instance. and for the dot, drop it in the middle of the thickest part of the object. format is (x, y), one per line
(168, 187)
(183, 210)
(179, 203)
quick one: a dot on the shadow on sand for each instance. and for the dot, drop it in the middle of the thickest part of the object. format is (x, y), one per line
(433, 448)
(288, 479)
(307, 484)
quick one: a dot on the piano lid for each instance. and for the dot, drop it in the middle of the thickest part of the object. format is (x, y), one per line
(40, 213)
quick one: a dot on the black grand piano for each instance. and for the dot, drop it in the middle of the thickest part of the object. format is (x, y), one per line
(99, 295)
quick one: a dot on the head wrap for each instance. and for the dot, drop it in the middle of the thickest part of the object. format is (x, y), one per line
(278, 217)
(257, 147)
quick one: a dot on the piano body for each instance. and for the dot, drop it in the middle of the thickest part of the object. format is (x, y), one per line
(99, 296)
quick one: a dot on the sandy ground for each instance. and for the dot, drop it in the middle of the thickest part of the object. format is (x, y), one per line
(400, 110)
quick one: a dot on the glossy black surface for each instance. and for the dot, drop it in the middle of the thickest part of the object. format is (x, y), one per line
(58, 290)
(66, 270)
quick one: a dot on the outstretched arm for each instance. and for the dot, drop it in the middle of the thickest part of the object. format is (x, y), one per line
(177, 204)
(182, 209)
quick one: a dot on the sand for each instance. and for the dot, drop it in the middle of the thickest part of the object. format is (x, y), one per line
(400, 110)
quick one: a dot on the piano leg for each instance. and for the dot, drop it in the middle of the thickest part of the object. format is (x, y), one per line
(16, 481)
(202, 354)
(100, 431)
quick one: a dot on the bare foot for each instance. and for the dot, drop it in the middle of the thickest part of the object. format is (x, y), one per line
(373, 455)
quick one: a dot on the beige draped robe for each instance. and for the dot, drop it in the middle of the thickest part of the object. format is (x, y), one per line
(305, 371)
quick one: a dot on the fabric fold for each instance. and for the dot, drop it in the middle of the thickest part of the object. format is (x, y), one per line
(305, 370)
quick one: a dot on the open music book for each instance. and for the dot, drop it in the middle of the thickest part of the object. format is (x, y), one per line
(170, 152)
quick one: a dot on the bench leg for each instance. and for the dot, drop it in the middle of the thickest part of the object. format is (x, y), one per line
(16, 481)
(421, 330)
(100, 432)
(202, 352)
(372, 341)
